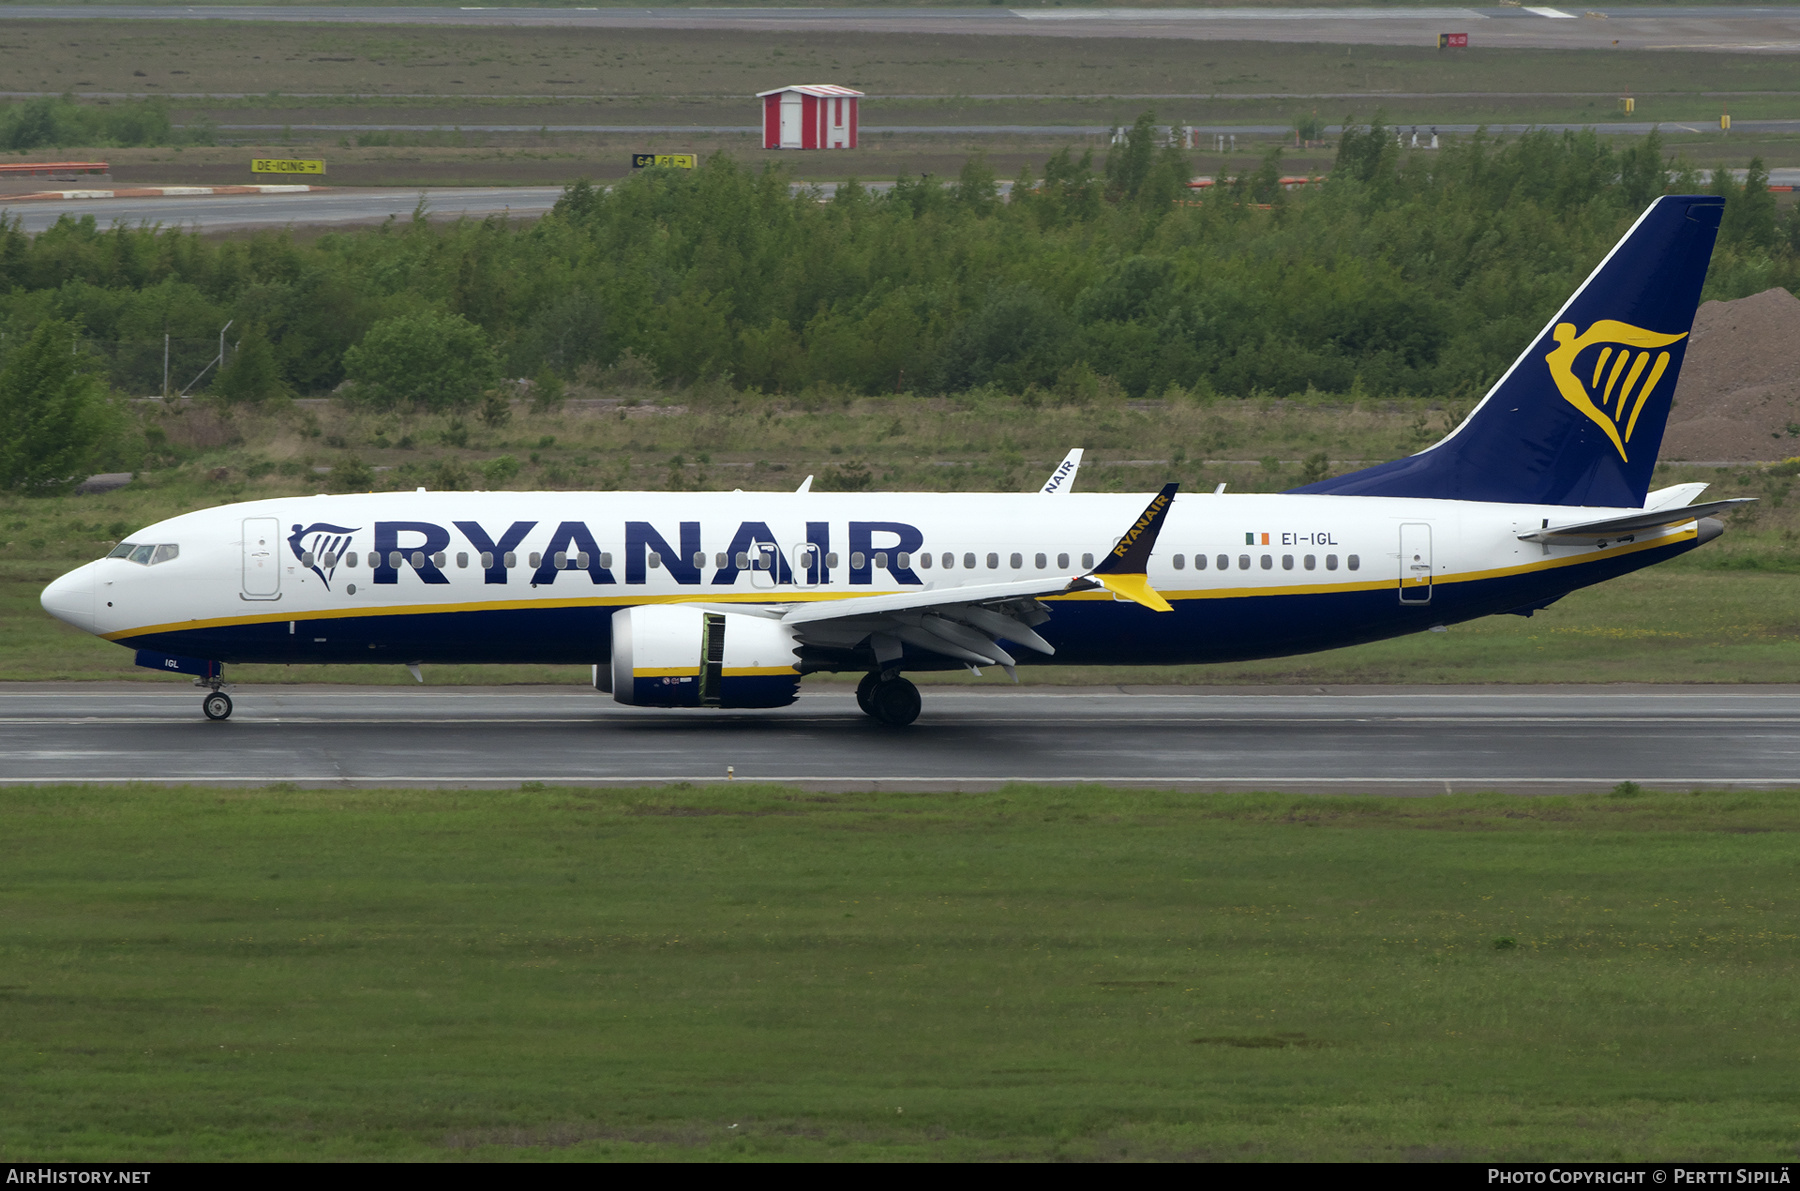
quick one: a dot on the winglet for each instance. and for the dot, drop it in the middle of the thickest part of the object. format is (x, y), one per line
(1062, 480)
(1137, 589)
(1124, 571)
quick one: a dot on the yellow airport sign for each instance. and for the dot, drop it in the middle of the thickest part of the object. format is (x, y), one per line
(276, 165)
(681, 161)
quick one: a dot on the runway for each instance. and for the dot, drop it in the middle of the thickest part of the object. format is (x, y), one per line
(1417, 740)
(352, 207)
(318, 209)
(1704, 27)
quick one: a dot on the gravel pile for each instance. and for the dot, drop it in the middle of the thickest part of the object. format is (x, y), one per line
(1739, 395)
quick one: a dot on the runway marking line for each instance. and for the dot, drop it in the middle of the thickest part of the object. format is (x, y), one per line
(1265, 782)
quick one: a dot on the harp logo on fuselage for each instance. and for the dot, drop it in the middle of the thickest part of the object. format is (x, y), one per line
(1609, 372)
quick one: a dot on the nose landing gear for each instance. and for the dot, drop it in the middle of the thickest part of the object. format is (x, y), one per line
(217, 706)
(889, 699)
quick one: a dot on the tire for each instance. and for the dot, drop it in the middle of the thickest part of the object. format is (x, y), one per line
(217, 706)
(895, 702)
(864, 690)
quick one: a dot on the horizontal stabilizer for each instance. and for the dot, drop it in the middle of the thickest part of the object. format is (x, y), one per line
(1617, 529)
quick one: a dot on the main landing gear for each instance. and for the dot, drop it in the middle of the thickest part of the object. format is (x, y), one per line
(889, 699)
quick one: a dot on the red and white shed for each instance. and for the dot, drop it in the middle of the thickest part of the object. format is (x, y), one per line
(809, 116)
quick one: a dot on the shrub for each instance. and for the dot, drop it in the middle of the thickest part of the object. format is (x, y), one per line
(427, 359)
(252, 374)
(55, 414)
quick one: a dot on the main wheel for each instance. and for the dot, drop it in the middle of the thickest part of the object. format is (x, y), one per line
(894, 702)
(217, 706)
(864, 690)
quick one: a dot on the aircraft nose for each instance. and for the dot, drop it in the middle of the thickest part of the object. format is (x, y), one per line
(71, 598)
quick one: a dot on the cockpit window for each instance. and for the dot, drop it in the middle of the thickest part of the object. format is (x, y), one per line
(146, 555)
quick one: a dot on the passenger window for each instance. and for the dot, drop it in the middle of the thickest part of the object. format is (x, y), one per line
(1331, 562)
(993, 562)
(537, 560)
(903, 560)
(560, 561)
(968, 562)
(605, 559)
(1062, 562)
(329, 560)
(743, 559)
(438, 560)
(350, 560)
(1087, 561)
(487, 560)
(1041, 562)
(462, 560)
(654, 560)
(141, 554)
(306, 558)
(925, 561)
(949, 561)
(1017, 561)
(418, 560)
(1287, 562)
(123, 550)
(582, 560)
(1180, 562)
(881, 561)
(1243, 562)
(1312, 562)
(856, 561)
(394, 560)
(1223, 562)
(721, 560)
(1199, 562)
(699, 560)
(831, 560)
(509, 560)
(1355, 562)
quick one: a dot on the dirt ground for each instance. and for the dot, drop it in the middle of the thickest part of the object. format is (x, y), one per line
(1739, 395)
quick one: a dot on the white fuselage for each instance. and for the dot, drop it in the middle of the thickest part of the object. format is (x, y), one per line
(309, 578)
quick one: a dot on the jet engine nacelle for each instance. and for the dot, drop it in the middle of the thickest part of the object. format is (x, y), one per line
(665, 655)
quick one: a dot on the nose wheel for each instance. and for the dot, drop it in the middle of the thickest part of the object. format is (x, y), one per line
(217, 706)
(892, 701)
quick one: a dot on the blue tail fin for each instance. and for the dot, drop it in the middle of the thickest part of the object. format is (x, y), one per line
(1578, 419)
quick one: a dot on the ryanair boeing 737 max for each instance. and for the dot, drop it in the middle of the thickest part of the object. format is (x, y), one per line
(727, 599)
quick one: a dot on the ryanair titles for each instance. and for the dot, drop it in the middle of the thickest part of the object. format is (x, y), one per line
(546, 551)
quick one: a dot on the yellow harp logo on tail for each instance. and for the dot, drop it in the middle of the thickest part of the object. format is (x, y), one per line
(1608, 372)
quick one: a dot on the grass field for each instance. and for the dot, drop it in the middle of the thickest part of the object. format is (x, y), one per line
(746, 971)
(449, 80)
(375, 60)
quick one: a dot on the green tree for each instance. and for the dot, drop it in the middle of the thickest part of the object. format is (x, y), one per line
(252, 373)
(55, 414)
(1128, 164)
(426, 359)
(1749, 218)
(976, 190)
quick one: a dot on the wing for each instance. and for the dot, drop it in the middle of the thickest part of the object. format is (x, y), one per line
(966, 624)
